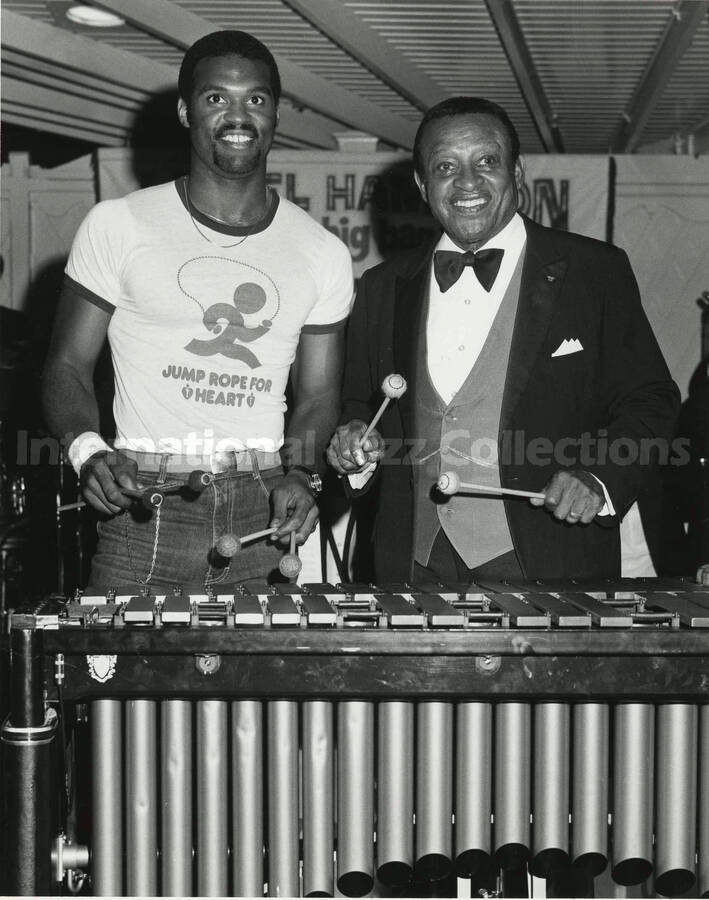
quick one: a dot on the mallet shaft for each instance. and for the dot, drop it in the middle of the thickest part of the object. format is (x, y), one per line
(257, 534)
(65, 507)
(485, 489)
(377, 417)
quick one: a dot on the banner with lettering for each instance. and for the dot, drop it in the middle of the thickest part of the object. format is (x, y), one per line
(371, 202)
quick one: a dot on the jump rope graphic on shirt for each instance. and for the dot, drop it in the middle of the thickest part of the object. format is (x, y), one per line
(249, 316)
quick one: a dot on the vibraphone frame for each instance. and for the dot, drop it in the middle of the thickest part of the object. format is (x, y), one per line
(49, 664)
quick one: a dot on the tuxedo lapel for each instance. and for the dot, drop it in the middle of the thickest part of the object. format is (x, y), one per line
(542, 277)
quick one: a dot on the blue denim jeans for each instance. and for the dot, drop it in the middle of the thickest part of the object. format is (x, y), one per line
(175, 544)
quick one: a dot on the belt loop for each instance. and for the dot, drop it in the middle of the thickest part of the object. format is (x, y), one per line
(254, 463)
(255, 471)
(162, 473)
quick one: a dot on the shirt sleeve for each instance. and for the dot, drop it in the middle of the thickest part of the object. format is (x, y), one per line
(94, 261)
(358, 480)
(607, 509)
(336, 293)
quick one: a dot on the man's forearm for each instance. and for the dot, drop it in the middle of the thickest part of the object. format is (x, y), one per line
(69, 403)
(68, 397)
(310, 428)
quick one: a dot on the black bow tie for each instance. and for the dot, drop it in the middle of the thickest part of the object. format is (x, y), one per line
(448, 266)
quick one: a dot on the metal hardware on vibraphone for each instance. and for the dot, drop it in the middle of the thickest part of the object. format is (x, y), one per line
(304, 740)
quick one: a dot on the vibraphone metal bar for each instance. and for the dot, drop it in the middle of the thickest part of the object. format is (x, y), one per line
(505, 699)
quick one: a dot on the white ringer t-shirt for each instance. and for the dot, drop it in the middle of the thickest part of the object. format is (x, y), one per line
(203, 334)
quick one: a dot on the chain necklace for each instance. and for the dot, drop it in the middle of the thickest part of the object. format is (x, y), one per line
(250, 230)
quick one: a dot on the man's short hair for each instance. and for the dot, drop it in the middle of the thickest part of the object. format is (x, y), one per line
(465, 106)
(224, 43)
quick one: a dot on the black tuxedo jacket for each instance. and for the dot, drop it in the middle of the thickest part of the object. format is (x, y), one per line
(607, 407)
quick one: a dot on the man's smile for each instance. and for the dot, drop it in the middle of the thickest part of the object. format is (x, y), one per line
(469, 204)
(237, 137)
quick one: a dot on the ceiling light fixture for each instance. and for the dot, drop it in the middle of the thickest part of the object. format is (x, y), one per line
(92, 17)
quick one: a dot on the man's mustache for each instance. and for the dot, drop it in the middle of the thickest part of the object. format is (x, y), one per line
(241, 129)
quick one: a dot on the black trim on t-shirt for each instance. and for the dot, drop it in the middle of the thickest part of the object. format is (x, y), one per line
(231, 230)
(78, 290)
(324, 329)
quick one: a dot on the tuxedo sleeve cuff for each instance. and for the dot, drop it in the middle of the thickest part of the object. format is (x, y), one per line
(607, 509)
(357, 480)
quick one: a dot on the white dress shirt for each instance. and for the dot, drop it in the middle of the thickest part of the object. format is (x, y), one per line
(460, 320)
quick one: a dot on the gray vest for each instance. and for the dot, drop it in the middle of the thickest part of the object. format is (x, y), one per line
(475, 525)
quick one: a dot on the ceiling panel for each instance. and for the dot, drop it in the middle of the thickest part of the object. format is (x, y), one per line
(582, 76)
(590, 56)
(683, 108)
(287, 33)
(455, 43)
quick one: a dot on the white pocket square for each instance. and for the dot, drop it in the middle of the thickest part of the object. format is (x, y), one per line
(567, 346)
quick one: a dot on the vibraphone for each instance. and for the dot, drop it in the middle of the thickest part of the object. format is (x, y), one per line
(303, 740)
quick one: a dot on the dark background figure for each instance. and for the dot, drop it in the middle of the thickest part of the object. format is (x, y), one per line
(160, 147)
(694, 425)
(674, 504)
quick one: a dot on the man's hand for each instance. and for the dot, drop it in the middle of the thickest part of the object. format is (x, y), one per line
(346, 452)
(294, 507)
(572, 496)
(101, 478)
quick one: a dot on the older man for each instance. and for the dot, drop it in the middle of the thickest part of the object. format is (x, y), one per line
(530, 365)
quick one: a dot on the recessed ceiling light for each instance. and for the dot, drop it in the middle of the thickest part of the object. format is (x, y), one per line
(94, 18)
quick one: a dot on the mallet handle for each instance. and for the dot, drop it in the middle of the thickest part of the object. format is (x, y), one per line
(485, 489)
(377, 417)
(65, 507)
(257, 534)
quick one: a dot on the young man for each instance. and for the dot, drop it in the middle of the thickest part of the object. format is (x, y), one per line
(530, 365)
(212, 291)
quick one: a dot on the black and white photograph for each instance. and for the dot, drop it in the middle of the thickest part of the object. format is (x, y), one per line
(354, 448)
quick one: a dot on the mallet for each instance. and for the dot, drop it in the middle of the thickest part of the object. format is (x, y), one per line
(290, 564)
(199, 480)
(450, 483)
(152, 497)
(229, 545)
(393, 387)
